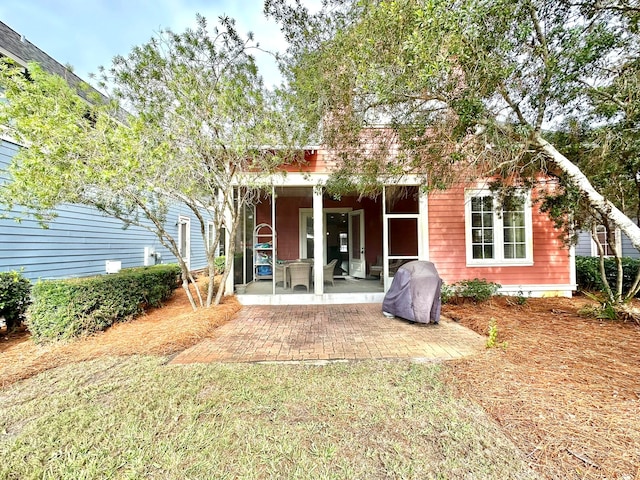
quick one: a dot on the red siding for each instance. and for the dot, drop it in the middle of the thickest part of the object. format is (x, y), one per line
(288, 222)
(447, 248)
(314, 162)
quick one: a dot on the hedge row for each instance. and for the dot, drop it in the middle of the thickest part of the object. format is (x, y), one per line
(64, 309)
(588, 272)
(14, 298)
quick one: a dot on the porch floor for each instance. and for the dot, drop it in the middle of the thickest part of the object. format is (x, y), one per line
(319, 333)
(341, 285)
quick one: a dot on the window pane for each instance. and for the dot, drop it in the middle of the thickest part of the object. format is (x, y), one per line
(402, 199)
(514, 232)
(355, 236)
(482, 227)
(309, 236)
(403, 236)
(514, 219)
(508, 235)
(508, 251)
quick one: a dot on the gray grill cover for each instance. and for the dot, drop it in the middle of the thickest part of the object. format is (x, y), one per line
(415, 293)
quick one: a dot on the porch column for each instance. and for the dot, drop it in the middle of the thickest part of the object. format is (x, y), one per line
(423, 225)
(318, 241)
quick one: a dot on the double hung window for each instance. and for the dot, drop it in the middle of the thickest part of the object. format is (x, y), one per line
(498, 232)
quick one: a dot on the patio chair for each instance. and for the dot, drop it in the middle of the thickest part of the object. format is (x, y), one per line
(299, 274)
(376, 269)
(278, 274)
(327, 271)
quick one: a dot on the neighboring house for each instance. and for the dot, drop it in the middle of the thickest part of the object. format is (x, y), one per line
(586, 247)
(81, 241)
(459, 230)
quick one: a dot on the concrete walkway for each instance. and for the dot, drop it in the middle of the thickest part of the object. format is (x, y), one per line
(329, 332)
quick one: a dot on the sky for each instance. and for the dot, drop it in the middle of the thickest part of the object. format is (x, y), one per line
(88, 33)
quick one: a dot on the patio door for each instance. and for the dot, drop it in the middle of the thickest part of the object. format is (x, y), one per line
(357, 262)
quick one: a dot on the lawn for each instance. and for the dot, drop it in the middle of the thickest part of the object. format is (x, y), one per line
(136, 417)
(562, 398)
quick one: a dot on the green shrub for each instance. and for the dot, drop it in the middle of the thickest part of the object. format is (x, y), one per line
(588, 273)
(447, 292)
(220, 263)
(14, 298)
(64, 309)
(477, 290)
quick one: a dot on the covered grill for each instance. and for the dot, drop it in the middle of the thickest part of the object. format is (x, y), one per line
(414, 293)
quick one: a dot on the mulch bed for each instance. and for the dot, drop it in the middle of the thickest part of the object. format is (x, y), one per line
(564, 388)
(160, 331)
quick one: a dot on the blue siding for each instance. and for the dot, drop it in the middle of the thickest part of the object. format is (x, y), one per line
(583, 247)
(80, 240)
(628, 250)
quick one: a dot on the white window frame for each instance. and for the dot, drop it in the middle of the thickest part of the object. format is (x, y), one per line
(186, 255)
(617, 238)
(211, 235)
(498, 232)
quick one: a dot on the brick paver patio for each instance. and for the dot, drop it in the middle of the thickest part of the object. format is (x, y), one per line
(329, 332)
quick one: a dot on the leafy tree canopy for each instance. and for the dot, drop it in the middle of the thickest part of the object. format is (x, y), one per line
(453, 90)
(186, 118)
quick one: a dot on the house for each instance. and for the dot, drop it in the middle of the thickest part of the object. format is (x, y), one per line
(586, 247)
(460, 230)
(300, 245)
(81, 241)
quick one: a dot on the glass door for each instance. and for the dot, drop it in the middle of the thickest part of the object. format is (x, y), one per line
(357, 262)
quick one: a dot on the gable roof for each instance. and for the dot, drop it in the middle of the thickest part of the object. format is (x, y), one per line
(21, 50)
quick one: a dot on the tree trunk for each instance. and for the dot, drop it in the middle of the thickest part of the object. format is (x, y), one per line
(212, 276)
(596, 200)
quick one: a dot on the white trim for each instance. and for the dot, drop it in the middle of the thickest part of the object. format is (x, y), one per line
(423, 226)
(8, 138)
(313, 179)
(211, 232)
(422, 232)
(302, 213)
(573, 277)
(319, 241)
(186, 255)
(498, 233)
(311, 299)
(357, 268)
(539, 290)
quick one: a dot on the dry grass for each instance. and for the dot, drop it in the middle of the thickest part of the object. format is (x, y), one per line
(161, 331)
(137, 417)
(566, 389)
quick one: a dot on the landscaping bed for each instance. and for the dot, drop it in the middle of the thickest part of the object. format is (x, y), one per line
(565, 389)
